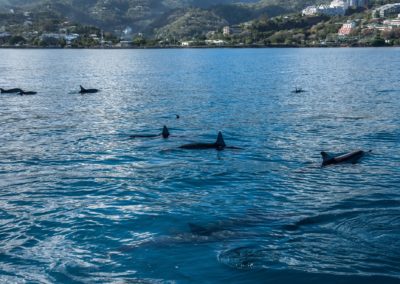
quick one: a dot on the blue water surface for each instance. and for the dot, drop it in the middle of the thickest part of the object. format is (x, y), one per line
(80, 202)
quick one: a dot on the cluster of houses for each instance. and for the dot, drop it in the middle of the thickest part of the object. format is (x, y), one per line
(385, 11)
(336, 7)
(226, 31)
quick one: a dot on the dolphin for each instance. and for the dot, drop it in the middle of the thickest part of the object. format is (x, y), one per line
(218, 231)
(10, 91)
(352, 157)
(87, 91)
(165, 134)
(219, 145)
(27, 93)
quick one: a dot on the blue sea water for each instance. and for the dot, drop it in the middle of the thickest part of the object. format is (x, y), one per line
(80, 202)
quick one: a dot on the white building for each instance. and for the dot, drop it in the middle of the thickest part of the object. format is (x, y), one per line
(226, 31)
(187, 43)
(336, 7)
(69, 38)
(395, 23)
(218, 42)
(310, 11)
(5, 34)
(45, 36)
(232, 30)
(386, 10)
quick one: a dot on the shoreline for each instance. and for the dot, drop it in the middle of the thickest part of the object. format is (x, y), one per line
(201, 47)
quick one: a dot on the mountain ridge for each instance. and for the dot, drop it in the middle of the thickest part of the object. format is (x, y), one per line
(147, 15)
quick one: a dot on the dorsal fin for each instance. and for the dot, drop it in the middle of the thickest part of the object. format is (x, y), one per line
(220, 141)
(325, 156)
(165, 132)
(82, 88)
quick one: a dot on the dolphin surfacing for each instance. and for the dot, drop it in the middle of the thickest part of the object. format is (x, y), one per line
(22, 93)
(352, 157)
(298, 90)
(10, 91)
(219, 145)
(87, 91)
(165, 134)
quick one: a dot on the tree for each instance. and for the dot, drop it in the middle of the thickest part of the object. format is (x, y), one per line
(17, 40)
(139, 41)
(378, 41)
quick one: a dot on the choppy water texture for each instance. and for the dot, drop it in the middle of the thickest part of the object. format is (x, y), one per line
(80, 202)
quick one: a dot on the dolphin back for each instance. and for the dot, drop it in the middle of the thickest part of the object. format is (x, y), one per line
(351, 157)
(11, 91)
(198, 146)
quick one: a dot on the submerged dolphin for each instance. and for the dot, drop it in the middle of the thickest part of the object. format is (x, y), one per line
(87, 91)
(27, 93)
(218, 231)
(165, 134)
(218, 145)
(351, 157)
(11, 91)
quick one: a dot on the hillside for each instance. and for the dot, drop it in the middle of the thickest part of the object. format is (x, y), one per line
(173, 18)
(147, 15)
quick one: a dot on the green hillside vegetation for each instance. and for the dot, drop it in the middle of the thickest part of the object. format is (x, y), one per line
(140, 15)
(151, 22)
(195, 22)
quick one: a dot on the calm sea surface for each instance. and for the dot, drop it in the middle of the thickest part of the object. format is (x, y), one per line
(80, 202)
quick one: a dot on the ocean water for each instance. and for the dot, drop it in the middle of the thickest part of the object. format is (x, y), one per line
(81, 202)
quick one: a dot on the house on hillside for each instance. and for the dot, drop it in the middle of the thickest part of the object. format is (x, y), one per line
(347, 28)
(395, 23)
(216, 42)
(231, 30)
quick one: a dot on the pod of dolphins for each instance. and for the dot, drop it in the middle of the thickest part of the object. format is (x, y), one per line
(219, 145)
(22, 92)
